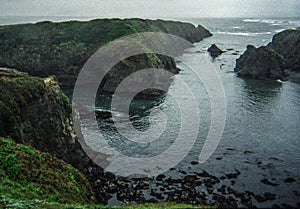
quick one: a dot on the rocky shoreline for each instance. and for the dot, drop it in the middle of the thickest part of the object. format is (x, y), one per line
(35, 111)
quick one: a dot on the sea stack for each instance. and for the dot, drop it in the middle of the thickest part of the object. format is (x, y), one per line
(214, 51)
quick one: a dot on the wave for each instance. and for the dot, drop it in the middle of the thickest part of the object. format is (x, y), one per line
(242, 33)
(251, 20)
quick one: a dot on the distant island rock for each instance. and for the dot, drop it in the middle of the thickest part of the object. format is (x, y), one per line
(280, 59)
(61, 49)
(214, 51)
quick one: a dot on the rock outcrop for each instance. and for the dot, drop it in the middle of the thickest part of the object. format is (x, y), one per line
(261, 63)
(280, 59)
(34, 111)
(214, 51)
(61, 49)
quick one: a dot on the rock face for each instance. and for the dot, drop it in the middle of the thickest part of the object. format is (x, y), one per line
(261, 63)
(214, 51)
(61, 49)
(280, 59)
(287, 43)
(34, 111)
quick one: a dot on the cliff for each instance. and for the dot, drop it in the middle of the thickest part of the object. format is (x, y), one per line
(61, 49)
(34, 111)
(280, 59)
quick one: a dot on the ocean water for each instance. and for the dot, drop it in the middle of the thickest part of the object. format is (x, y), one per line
(261, 138)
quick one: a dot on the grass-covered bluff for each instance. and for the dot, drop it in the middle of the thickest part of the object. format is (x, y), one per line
(28, 174)
(61, 49)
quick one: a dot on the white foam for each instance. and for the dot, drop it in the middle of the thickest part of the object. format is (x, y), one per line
(251, 20)
(242, 33)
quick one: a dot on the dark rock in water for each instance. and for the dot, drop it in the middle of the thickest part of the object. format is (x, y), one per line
(102, 114)
(267, 182)
(265, 197)
(160, 177)
(260, 63)
(194, 163)
(280, 59)
(214, 51)
(198, 34)
(289, 180)
(287, 44)
(233, 175)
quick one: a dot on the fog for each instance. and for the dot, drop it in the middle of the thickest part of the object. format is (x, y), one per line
(152, 8)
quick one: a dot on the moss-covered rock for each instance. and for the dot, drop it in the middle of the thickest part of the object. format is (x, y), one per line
(61, 49)
(34, 111)
(28, 174)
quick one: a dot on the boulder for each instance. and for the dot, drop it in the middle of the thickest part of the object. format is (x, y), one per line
(214, 51)
(260, 63)
(280, 59)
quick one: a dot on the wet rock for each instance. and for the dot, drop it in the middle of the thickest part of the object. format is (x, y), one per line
(289, 180)
(233, 175)
(214, 51)
(194, 163)
(287, 206)
(267, 182)
(160, 177)
(265, 197)
(204, 174)
(278, 60)
(260, 63)
(183, 172)
(222, 189)
(248, 152)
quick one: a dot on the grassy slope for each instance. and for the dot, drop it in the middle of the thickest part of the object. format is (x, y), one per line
(32, 179)
(27, 174)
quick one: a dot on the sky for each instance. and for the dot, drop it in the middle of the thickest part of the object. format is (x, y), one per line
(152, 8)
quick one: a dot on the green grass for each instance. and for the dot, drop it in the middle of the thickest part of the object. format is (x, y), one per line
(27, 174)
(14, 203)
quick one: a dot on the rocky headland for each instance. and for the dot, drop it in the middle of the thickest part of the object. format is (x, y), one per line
(278, 60)
(61, 49)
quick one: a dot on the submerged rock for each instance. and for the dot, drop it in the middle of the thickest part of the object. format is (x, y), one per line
(280, 59)
(214, 51)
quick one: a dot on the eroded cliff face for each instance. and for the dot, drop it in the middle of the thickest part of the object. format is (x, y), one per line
(280, 59)
(34, 111)
(61, 49)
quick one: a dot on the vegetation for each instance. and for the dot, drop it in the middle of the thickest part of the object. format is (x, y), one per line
(29, 175)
